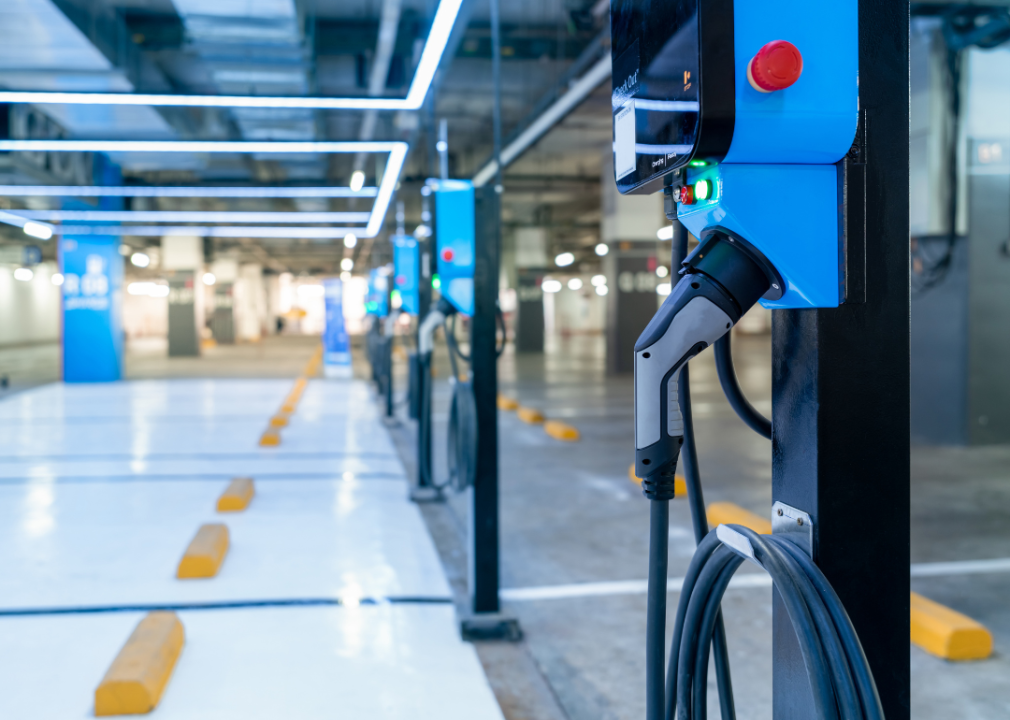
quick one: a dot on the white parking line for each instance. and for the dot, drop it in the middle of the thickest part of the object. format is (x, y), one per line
(749, 580)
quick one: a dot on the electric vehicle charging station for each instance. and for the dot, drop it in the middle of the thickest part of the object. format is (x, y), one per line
(467, 249)
(755, 122)
(406, 273)
(455, 246)
(407, 283)
(379, 339)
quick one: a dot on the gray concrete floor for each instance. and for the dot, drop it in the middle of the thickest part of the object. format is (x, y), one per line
(569, 514)
(272, 357)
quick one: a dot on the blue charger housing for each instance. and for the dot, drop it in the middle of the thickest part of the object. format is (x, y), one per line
(455, 236)
(406, 273)
(377, 297)
(773, 178)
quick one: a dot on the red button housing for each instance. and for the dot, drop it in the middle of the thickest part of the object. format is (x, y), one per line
(776, 66)
(447, 255)
(687, 195)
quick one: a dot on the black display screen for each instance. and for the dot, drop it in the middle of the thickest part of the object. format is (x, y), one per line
(657, 91)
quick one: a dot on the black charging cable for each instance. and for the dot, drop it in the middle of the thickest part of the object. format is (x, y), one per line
(731, 388)
(462, 429)
(840, 679)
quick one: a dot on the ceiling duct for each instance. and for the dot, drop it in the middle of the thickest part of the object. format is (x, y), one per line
(254, 47)
(41, 48)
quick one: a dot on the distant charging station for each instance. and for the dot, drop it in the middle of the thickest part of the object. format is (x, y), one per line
(455, 228)
(407, 272)
(377, 296)
(336, 341)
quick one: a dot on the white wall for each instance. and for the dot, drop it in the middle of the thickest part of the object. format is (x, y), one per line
(575, 311)
(29, 311)
(145, 316)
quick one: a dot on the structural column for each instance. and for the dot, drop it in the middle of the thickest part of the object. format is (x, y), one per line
(531, 264)
(182, 258)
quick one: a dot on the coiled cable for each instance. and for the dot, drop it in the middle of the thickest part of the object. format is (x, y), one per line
(840, 678)
(462, 430)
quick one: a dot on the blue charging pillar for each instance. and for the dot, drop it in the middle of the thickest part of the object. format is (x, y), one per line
(93, 293)
(92, 308)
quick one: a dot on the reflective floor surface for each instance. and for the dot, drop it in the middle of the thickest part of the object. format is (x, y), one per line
(575, 541)
(331, 602)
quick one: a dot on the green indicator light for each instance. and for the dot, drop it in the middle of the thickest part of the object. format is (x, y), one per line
(436, 282)
(698, 163)
(395, 296)
(703, 190)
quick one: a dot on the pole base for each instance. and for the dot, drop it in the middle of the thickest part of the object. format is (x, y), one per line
(483, 627)
(426, 495)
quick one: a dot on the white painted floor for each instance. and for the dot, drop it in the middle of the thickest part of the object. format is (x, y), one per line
(103, 486)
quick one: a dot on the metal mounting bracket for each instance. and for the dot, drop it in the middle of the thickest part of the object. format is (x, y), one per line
(796, 523)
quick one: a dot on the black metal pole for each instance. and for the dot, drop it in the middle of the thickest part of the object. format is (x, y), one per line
(483, 353)
(840, 390)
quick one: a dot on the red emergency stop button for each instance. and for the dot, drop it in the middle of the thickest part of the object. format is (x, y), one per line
(775, 67)
(687, 195)
(448, 255)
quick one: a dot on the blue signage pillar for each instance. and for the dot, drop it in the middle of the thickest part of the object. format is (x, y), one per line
(92, 308)
(336, 342)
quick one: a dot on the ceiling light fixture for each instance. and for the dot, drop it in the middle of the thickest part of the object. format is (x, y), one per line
(434, 47)
(310, 232)
(182, 191)
(357, 180)
(390, 175)
(602, 249)
(350, 240)
(38, 230)
(157, 216)
(564, 259)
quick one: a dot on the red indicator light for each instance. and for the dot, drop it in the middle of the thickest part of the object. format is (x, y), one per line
(775, 67)
(448, 255)
(401, 279)
(687, 195)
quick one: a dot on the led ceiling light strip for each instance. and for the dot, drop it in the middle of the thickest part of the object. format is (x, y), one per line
(219, 231)
(431, 56)
(187, 216)
(197, 146)
(179, 191)
(35, 229)
(390, 176)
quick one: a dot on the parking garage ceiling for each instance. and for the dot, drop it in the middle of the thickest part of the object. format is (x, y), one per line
(325, 48)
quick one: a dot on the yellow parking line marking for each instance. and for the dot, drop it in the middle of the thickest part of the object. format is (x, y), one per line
(725, 513)
(530, 415)
(561, 431)
(137, 678)
(237, 496)
(205, 554)
(947, 633)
